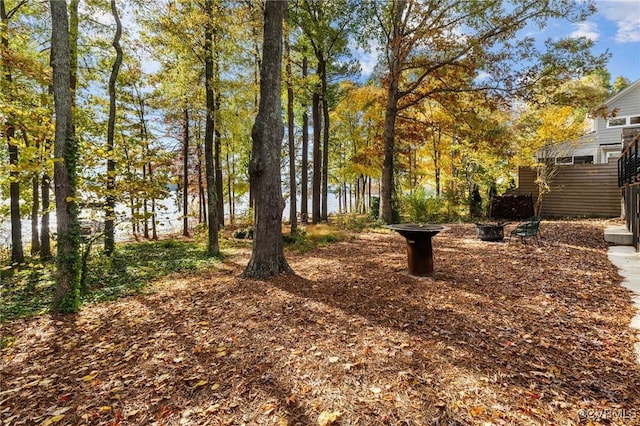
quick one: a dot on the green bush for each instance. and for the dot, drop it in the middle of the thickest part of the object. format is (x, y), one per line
(375, 208)
(419, 207)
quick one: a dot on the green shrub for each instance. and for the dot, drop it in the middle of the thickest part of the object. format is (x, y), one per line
(375, 208)
(419, 207)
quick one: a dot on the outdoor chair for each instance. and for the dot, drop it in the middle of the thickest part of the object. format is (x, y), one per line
(527, 229)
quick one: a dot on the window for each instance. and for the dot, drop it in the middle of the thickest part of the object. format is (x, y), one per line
(564, 160)
(623, 121)
(612, 155)
(583, 159)
(618, 121)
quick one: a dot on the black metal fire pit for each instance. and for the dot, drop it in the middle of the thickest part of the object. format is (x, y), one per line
(419, 249)
(490, 231)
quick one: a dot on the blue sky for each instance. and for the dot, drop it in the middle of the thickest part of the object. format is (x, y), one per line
(616, 27)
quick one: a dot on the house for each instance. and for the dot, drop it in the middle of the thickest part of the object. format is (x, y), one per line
(586, 183)
(603, 142)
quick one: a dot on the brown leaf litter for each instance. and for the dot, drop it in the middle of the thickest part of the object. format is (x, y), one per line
(503, 334)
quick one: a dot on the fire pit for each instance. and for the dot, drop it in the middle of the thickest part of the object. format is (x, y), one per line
(490, 231)
(419, 249)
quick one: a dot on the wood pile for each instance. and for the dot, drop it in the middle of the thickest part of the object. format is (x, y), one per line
(511, 206)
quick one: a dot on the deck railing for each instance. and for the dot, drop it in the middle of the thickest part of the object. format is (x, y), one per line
(629, 165)
(629, 180)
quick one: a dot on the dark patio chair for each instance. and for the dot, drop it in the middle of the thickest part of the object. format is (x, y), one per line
(527, 229)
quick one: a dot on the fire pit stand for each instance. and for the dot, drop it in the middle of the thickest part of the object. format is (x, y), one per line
(419, 248)
(490, 231)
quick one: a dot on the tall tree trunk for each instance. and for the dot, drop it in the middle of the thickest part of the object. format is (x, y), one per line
(17, 252)
(73, 46)
(267, 257)
(293, 210)
(218, 141)
(45, 236)
(325, 141)
(304, 179)
(229, 183)
(436, 137)
(67, 291)
(185, 172)
(201, 197)
(316, 181)
(386, 182)
(213, 246)
(110, 205)
(35, 211)
(145, 206)
(147, 172)
(391, 110)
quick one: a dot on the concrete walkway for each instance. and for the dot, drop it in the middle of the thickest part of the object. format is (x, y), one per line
(627, 260)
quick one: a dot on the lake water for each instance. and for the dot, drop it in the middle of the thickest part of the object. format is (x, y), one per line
(169, 219)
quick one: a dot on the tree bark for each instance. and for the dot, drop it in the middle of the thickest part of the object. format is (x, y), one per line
(35, 210)
(110, 205)
(325, 141)
(213, 246)
(293, 208)
(185, 173)
(45, 237)
(391, 111)
(66, 295)
(304, 179)
(316, 180)
(17, 251)
(217, 158)
(267, 257)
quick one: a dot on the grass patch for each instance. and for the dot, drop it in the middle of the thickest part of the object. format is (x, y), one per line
(312, 236)
(28, 291)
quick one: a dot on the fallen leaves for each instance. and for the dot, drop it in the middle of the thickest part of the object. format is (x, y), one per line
(328, 418)
(502, 334)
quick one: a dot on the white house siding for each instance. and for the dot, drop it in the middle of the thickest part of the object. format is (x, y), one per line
(626, 103)
(602, 140)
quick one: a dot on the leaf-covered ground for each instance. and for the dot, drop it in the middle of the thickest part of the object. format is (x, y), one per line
(502, 334)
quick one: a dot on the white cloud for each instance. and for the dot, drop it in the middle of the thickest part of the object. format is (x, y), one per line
(626, 16)
(586, 29)
(482, 76)
(368, 59)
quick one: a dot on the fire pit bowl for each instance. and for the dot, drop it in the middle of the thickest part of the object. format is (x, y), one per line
(419, 248)
(490, 231)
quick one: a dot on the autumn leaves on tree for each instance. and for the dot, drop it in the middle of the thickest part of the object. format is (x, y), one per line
(165, 100)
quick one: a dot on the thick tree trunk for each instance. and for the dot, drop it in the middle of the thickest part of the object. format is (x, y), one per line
(391, 110)
(304, 179)
(213, 246)
(267, 257)
(386, 182)
(66, 295)
(110, 205)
